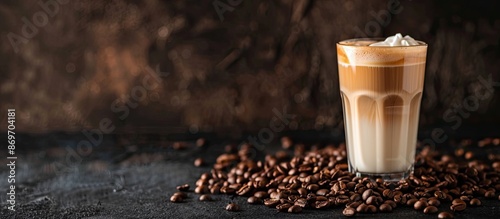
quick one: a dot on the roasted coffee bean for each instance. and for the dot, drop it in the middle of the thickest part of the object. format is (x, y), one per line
(464, 198)
(270, 202)
(204, 198)
(183, 188)
(475, 202)
(355, 197)
(489, 194)
(301, 202)
(199, 162)
(353, 204)
(367, 193)
(385, 208)
(430, 210)
(434, 202)
(458, 207)
(232, 207)
(362, 208)
(244, 190)
(457, 201)
(391, 203)
(387, 193)
(372, 209)
(176, 198)
(295, 209)
(261, 194)
(322, 192)
(445, 215)
(372, 200)
(440, 195)
(283, 207)
(420, 205)
(181, 194)
(254, 200)
(411, 202)
(201, 189)
(349, 212)
(302, 192)
(321, 204)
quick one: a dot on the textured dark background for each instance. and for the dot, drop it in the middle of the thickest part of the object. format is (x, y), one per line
(228, 75)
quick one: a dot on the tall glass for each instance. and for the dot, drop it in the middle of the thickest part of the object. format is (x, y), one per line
(381, 90)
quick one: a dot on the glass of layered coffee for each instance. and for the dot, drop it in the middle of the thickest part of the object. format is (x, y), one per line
(381, 83)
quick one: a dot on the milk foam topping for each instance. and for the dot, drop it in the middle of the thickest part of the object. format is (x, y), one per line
(397, 40)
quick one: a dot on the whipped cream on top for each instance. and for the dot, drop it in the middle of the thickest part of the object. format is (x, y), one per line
(397, 40)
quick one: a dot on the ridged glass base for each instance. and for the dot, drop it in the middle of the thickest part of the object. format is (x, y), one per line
(389, 177)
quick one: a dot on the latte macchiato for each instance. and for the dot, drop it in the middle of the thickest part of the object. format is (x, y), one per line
(381, 86)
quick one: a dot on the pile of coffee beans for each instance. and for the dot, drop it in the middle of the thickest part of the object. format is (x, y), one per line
(318, 179)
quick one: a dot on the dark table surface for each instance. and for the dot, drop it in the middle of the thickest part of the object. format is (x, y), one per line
(134, 179)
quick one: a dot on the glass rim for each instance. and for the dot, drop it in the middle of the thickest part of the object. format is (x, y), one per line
(378, 39)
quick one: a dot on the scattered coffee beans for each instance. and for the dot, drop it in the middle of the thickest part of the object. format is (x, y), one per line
(254, 200)
(199, 162)
(176, 198)
(318, 179)
(232, 207)
(205, 198)
(475, 202)
(295, 209)
(430, 210)
(349, 212)
(445, 215)
(183, 188)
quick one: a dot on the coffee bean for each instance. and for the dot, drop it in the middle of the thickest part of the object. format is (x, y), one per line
(201, 142)
(367, 193)
(353, 204)
(201, 189)
(434, 202)
(387, 193)
(301, 202)
(176, 198)
(489, 194)
(411, 202)
(362, 208)
(270, 202)
(391, 203)
(205, 198)
(261, 194)
(295, 209)
(322, 192)
(440, 195)
(469, 155)
(385, 208)
(372, 200)
(420, 205)
(321, 204)
(183, 188)
(458, 207)
(457, 201)
(430, 210)
(199, 162)
(283, 207)
(181, 194)
(254, 200)
(464, 198)
(355, 197)
(445, 215)
(372, 209)
(244, 190)
(232, 207)
(349, 212)
(475, 202)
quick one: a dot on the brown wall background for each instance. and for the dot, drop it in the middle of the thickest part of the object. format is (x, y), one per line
(228, 76)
